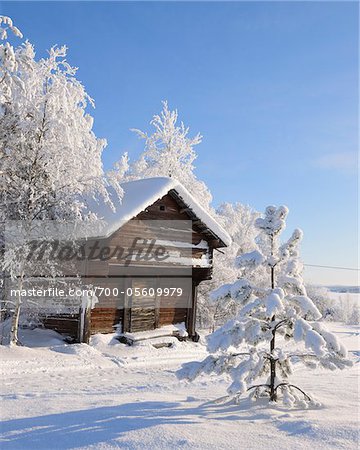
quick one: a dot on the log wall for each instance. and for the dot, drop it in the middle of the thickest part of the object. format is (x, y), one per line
(66, 324)
(105, 320)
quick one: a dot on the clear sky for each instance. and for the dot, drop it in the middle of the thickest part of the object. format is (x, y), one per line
(272, 86)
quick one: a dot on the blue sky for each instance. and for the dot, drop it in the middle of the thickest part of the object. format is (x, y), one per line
(272, 87)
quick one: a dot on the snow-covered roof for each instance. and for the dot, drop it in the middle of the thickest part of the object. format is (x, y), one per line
(140, 194)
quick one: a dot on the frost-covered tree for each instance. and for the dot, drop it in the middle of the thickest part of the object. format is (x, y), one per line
(336, 308)
(327, 305)
(238, 220)
(275, 327)
(50, 158)
(169, 152)
(354, 318)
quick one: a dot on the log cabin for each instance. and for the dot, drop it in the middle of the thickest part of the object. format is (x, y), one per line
(165, 240)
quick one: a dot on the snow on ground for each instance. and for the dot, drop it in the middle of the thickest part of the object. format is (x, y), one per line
(108, 396)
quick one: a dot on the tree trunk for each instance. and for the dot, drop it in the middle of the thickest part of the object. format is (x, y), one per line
(14, 337)
(273, 396)
(14, 340)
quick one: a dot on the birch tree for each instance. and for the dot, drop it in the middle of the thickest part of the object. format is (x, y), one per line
(50, 157)
(170, 152)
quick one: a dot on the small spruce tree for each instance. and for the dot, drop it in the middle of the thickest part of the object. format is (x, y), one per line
(269, 323)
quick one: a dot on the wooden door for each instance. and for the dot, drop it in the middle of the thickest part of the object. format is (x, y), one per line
(143, 312)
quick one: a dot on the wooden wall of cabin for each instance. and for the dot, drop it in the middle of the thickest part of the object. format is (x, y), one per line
(65, 324)
(139, 313)
(140, 228)
(107, 315)
(154, 311)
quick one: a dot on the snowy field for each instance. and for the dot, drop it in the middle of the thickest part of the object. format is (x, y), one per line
(108, 396)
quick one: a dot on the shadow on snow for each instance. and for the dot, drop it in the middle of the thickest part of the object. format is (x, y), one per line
(91, 426)
(105, 424)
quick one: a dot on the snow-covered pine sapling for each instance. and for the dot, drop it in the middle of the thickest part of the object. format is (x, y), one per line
(275, 328)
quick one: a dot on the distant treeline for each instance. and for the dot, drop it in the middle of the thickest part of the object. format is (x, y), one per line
(351, 289)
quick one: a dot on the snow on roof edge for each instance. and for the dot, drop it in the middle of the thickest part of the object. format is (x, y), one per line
(203, 215)
(139, 194)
